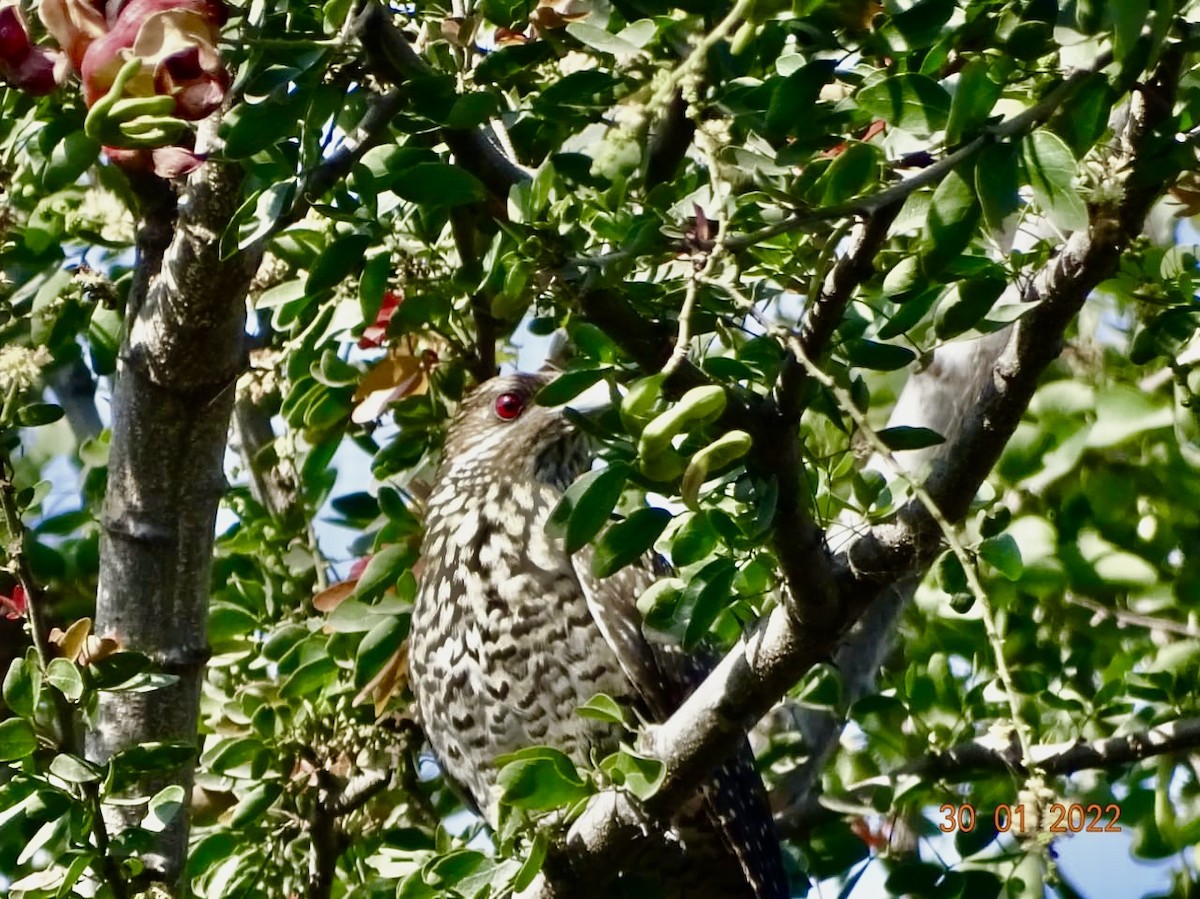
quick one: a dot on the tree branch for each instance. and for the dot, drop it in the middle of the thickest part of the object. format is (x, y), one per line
(767, 661)
(978, 757)
(391, 58)
(1126, 618)
(180, 356)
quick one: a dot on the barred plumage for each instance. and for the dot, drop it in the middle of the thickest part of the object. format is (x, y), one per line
(510, 634)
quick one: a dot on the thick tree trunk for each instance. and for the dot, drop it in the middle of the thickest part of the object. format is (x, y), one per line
(180, 358)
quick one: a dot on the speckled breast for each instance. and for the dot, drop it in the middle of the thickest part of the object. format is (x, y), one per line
(504, 647)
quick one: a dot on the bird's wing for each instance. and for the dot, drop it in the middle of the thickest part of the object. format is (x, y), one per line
(648, 664)
(663, 676)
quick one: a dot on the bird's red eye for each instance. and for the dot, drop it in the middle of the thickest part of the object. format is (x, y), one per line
(509, 406)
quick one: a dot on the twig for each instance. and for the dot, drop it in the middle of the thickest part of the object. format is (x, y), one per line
(369, 132)
(20, 563)
(391, 58)
(111, 870)
(1123, 617)
(1059, 758)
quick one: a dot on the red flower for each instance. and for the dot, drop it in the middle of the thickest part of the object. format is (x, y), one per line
(14, 606)
(162, 49)
(373, 335)
(176, 42)
(23, 64)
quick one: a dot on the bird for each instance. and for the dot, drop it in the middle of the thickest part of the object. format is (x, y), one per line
(510, 634)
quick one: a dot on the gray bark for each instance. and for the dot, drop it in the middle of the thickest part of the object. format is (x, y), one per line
(180, 358)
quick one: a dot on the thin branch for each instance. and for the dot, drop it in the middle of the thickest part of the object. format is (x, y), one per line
(391, 58)
(110, 869)
(979, 757)
(687, 70)
(669, 143)
(1124, 617)
(371, 130)
(34, 597)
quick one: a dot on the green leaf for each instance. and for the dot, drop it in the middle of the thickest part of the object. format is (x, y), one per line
(997, 183)
(252, 805)
(309, 679)
(115, 670)
(506, 13)
(534, 860)
(251, 128)
(912, 102)
(34, 415)
(710, 591)
(377, 647)
(627, 541)
(382, 572)
(539, 779)
(794, 97)
(17, 740)
(229, 755)
(953, 214)
(603, 707)
(1085, 119)
(1123, 413)
(949, 573)
(974, 97)
(149, 758)
(1003, 554)
(586, 505)
(70, 158)
(878, 356)
(75, 770)
(1166, 334)
(337, 261)
(64, 674)
(164, 808)
(22, 684)
(256, 217)
(694, 540)
(569, 385)
(599, 39)
(1050, 167)
(903, 437)
(821, 688)
(920, 24)
(639, 774)
(439, 184)
(104, 339)
(1129, 17)
(966, 302)
(334, 371)
(850, 174)
(377, 271)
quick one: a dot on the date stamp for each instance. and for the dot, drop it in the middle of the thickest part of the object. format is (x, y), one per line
(1059, 817)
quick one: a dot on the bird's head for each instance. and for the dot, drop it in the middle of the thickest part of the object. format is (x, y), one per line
(501, 431)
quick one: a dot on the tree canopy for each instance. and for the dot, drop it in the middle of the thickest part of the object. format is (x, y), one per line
(895, 301)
